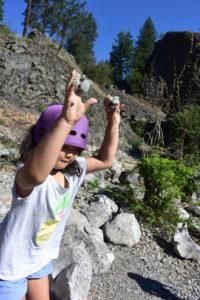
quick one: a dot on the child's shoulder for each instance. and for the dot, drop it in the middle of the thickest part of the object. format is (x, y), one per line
(81, 160)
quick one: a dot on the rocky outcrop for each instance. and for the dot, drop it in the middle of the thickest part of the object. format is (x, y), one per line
(124, 230)
(172, 77)
(33, 74)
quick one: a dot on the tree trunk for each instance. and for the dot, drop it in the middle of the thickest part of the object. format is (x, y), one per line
(62, 38)
(45, 17)
(27, 18)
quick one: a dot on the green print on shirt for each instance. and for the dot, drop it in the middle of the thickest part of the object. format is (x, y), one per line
(49, 225)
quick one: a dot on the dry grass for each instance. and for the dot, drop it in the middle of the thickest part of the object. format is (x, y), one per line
(12, 117)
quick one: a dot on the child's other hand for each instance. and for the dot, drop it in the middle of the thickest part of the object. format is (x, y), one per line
(112, 112)
(74, 108)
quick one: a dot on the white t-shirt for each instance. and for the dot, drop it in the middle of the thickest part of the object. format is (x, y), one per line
(31, 232)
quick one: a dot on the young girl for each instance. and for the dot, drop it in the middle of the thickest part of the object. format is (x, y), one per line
(43, 193)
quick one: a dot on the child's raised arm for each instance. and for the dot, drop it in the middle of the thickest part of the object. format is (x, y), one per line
(109, 145)
(44, 156)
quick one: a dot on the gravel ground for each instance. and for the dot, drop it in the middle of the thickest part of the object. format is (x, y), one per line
(149, 270)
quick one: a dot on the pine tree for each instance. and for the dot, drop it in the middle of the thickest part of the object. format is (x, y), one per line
(121, 58)
(37, 15)
(81, 41)
(67, 22)
(144, 48)
(1, 10)
(63, 19)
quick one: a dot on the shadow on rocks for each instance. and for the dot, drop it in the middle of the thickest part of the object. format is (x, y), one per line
(166, 246)
(153, 287)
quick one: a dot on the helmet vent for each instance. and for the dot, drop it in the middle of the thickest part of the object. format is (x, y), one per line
(72, 132)
(83, 136)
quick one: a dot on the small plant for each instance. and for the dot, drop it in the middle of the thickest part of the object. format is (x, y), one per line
(9, 143)
(137, 142)
(138, 126)
(93, 184)
(41, 107)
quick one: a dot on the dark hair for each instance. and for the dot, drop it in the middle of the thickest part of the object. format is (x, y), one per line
(28, 145)
(73, 169)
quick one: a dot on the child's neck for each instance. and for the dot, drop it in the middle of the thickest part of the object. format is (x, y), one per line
(60, 178)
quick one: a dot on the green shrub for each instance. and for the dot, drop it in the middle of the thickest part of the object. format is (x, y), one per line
(137, 142)
(138, 126)
(101, 73)
(4, 29)
(185, 128)
(165, 180)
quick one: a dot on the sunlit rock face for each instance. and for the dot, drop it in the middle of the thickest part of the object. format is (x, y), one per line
(172, 72)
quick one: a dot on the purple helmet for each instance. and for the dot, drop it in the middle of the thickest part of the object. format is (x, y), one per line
(77, 137)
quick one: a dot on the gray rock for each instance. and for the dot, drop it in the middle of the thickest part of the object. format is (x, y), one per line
(18, 48)
(194, 197)
(4, 152)
(195, 227)
(73, 282)
(124, 230)
(184, 246)
(115, 171)
(183, 213)
(74, 242)
(35, 33)
(95, 180)
(128, 177)
(139, 193)
(99, 212)
(114, 100)
(195, 210)
(78, 219)
(8, 154)
(85, 85)
(95, 233)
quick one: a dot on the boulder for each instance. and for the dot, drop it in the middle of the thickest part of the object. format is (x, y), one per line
(124, 230)
(128, 177)
(73, 281)
(183, 214)
(184, 246)
(82, 254)
(100, 211)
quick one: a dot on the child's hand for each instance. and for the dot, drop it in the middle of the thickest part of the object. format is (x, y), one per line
(112, 111)
(74, 108)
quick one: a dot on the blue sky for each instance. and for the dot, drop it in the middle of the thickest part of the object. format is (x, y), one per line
(112, 16)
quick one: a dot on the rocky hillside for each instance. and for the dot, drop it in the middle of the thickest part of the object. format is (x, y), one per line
(33, 74)
(172, 76)
(105, 253)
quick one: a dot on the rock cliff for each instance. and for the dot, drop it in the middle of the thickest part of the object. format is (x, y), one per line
(172, 76)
